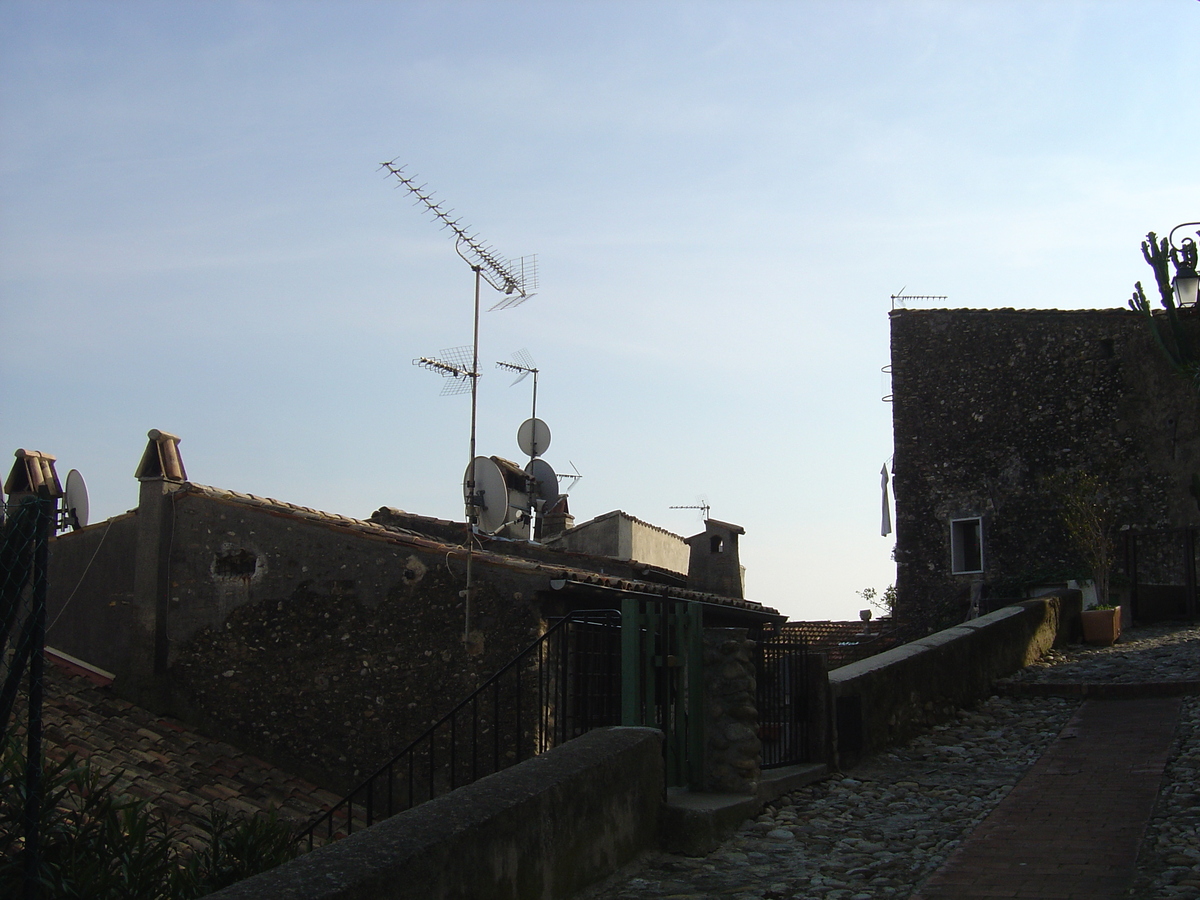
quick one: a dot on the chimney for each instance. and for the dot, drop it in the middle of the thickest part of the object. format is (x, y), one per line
(32, 470)
(161, 460)
(555, 520)
(714, 567)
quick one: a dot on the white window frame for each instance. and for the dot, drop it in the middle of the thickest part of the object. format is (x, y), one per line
(958, 562)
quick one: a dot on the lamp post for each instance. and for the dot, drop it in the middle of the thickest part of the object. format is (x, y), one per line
(1183, 255)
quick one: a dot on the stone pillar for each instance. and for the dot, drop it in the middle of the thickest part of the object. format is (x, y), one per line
(733, 752)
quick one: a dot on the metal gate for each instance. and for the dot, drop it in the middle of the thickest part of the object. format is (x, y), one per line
(784, 695)
(662, 683)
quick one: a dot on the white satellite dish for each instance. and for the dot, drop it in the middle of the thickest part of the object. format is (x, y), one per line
(490, 487)
(545, 485)
(533, 437)
(75, 500)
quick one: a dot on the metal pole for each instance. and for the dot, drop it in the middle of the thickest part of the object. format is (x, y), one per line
(533, 440)
(47, 513)
(472, 516)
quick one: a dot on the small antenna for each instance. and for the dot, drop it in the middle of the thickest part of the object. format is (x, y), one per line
(523, 365)
(574, 478)
(703, 507)
(899, 298)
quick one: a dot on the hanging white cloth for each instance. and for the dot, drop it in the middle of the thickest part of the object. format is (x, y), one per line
(886, 527)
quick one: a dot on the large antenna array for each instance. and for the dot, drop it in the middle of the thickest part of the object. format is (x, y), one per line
(454, 364)
(461, 364)
(516, 279)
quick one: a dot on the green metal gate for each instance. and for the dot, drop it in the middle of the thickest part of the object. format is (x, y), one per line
(662, 680)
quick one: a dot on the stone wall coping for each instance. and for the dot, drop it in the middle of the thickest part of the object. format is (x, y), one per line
(540, 828)
(921, 645)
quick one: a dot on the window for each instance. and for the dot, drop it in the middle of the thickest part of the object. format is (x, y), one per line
(716, 544)
(966, 546)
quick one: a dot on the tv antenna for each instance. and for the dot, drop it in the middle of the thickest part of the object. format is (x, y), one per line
(900, 298)
(453, 364)
(516, 281)
(522, 364)
(703, 507)
(574, 478)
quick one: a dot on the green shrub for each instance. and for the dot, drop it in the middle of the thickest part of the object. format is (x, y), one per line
(99, 844)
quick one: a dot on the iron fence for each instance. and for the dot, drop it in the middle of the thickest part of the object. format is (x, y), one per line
(564, 684)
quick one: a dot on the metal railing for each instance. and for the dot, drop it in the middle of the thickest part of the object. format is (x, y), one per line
(564, 684)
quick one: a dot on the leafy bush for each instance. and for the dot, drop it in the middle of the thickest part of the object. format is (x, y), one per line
(99, 844)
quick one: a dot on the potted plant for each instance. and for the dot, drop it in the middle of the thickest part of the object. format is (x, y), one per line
(1102, 625)
(1090, 520)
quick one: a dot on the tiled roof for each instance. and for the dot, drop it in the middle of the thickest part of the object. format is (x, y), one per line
(181, 772)
(845, 642)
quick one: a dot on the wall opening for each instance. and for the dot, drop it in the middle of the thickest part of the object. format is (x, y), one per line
(966, 546)
(235, 564)
(716, 544)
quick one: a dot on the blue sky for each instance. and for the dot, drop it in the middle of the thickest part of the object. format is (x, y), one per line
(195, 236)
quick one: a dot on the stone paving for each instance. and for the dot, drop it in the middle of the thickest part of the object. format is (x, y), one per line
(883, 829)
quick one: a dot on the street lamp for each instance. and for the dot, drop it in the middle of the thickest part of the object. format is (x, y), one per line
(1187, 282)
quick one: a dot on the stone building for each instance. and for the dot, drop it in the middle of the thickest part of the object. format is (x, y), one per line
(989, 406)
(318, 641)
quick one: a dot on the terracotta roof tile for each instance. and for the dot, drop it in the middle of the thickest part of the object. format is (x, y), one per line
(181, 772)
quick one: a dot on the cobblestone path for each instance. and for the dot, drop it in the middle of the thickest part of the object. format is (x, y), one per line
(882, 829)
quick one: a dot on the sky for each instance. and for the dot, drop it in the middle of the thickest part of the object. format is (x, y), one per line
(196, 236)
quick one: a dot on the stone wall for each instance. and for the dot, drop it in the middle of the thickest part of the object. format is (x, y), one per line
(89, 594)
(887, 699)
(989, 404)
(732, 749)
(321, 650)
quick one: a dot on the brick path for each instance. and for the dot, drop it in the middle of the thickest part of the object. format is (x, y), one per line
(1071, 827)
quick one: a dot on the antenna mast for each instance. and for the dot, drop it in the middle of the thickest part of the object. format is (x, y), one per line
(515, 280)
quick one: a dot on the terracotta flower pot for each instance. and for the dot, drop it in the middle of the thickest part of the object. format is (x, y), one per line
(1102, 626)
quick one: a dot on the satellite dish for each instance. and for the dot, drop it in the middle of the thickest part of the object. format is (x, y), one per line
(75, 500)
(533, 437)
(492, 507)
(545, 481)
